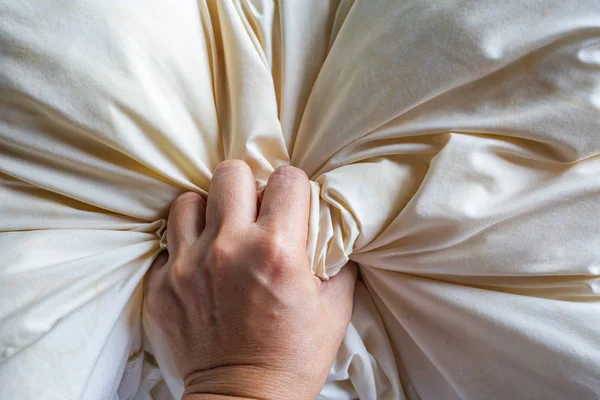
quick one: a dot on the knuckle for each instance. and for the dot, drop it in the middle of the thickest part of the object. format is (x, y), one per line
(182, 270)
(231, 165)
(187, 198)
(274, 250)
(222, 252)
(290, 172)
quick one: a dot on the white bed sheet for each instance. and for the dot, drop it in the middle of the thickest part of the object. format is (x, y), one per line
(453, 148)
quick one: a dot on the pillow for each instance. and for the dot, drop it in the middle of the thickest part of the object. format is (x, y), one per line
(453, 149)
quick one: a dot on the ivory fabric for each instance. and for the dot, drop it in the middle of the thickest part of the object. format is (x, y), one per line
(453, 148)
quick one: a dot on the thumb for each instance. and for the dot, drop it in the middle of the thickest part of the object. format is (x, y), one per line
(338, 292)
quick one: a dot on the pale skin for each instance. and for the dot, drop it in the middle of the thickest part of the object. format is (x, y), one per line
(244, 316)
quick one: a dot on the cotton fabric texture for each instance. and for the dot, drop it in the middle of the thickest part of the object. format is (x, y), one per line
(452, 146)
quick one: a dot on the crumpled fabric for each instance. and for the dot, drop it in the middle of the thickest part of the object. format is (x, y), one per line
(453, 149)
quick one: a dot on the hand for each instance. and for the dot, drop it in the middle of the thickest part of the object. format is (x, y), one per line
(235, 298)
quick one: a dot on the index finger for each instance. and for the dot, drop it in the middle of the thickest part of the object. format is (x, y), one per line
(285, 204)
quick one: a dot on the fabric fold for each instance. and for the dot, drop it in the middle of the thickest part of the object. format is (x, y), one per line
(452, 148)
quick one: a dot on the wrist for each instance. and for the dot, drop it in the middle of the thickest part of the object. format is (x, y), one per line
(243, 382)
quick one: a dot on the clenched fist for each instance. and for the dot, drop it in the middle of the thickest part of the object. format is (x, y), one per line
(235, 298)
